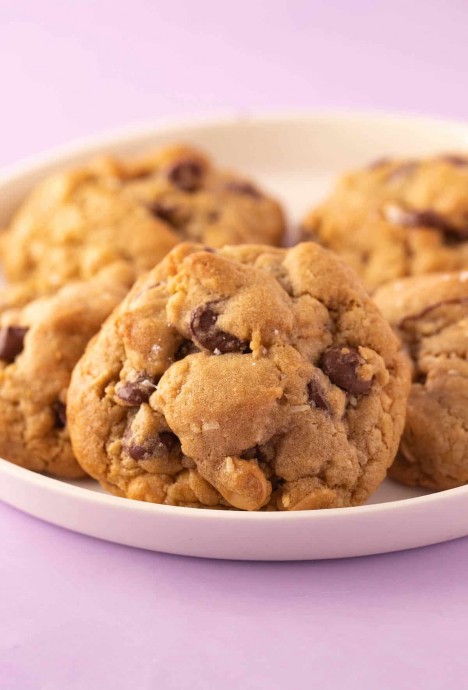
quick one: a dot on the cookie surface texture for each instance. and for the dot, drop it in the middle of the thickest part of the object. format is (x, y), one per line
(430, 314)
(39, 346)
(249, 377)
(75, 223)
(397, 218)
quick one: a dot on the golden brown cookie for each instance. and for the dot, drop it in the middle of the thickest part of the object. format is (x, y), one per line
(39, 346)
(397, 218)
(430, 313)
(248, 377)
(75, 223)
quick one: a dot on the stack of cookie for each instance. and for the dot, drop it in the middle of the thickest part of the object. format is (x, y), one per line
(403, 226)
(72, 252)
(234, 373)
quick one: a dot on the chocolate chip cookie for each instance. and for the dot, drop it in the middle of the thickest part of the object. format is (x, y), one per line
(430, 313)
(75, 223)
(250, 377)
(397, 218)
(39, 346)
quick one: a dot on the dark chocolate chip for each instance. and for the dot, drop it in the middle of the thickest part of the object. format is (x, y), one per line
(186, 175)
(316, 395)
(136, 392)
(426, 219)
(420, 377)
(203, 327)
(144, 450)
(185, 348)
(254, 453)
(165, 211)
(340, 365)
(11, 342)
(402, 171)
(60, 414)
(243, 188)
(379, 163)
(307, 234)
(154, 446)
(457, 161)
(168, 439)
(427, 310)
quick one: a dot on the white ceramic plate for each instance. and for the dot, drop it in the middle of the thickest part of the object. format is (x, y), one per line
(295, 157)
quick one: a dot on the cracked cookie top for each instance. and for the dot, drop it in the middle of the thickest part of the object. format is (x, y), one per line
(430, 314)
(75, 223)
(397, 218)
(248, 377)
(39, 346)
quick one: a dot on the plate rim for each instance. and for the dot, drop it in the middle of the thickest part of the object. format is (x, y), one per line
(132, 133)
(60, 486)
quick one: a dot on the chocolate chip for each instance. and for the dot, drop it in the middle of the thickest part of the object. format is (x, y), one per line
(402, 171)
(307, 233)
(254, 453)
(164, 211)
(340, 365)
(316, 395)
(144, 450)
(60, 414)
(135, 392)
(168, 439)
(427, 310)
(243, 188)
(427, 219)
(186, 175)
(11, 342)
(379, 163)
(457, 161)
(203, 327)
(185, 348)
(154, 446)
(420, 377)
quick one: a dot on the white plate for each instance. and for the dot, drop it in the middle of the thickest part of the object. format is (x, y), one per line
(295, 157)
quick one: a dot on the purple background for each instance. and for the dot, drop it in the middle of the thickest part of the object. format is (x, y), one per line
(76, 613)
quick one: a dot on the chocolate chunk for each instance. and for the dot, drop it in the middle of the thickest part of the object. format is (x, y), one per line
(154, 446)
(457, 161)
(307, 233)
(402, 171)
(185, 348)
(144, 450)
(203, 327)
(243, 188)
(426, 219)
(60, 414)
(136, 392)
(420, 377)
(254, 453)
(316, 395)
(379, 163)
(427, 310)
(11, 342)
(340, 365)
(168, 439)
(164, 211)
(186, 175)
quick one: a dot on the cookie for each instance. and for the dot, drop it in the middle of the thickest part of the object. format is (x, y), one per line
(430, 313)
(397, 218)
(250, 377)
(39, 346)
(75, 223)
